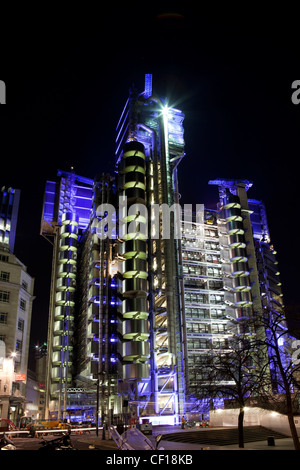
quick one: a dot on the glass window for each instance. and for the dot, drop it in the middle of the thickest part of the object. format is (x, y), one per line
(4, 276)
(3, 318)
(4, 296)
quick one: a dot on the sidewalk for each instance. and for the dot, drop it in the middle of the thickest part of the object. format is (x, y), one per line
(280, 444)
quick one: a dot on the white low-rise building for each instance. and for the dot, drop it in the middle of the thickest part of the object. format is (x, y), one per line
(16, 298)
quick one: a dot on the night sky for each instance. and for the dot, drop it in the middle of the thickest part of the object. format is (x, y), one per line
(67, 78)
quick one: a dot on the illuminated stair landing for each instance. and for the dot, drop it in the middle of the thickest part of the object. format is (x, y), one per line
(223, 437)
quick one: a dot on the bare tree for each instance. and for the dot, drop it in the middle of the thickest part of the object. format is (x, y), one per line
(237, 373)
(259, 365)
(284, 370)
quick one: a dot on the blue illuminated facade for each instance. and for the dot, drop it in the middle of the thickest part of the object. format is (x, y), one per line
(270, 287)
(9, 206)
(82, 332)
(131, 314)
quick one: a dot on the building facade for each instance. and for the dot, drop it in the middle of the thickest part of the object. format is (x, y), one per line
(140, 290)
(16, 298)
(230, 275)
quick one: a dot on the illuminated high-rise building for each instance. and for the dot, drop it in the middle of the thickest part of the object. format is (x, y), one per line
(149, 147)
(114, 309)
(135, 300)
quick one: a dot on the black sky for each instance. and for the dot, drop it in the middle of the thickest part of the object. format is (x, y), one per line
(67, 79)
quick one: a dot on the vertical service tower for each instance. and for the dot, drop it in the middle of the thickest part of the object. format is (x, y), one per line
(63, 291)
(149, 146)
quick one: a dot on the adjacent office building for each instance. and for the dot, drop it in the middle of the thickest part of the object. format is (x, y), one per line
(141, 289)
(16, 298)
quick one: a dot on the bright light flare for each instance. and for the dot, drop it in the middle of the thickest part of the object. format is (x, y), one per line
(165, 111)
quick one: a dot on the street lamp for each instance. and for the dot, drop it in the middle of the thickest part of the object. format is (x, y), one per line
(102, 374)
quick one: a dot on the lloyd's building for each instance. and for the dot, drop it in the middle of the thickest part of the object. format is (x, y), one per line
(137, 298)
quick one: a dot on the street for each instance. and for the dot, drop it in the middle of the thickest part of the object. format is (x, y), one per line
(88, 441)
(174, 439)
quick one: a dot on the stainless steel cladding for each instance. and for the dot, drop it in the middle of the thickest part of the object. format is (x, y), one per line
(135, 326)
